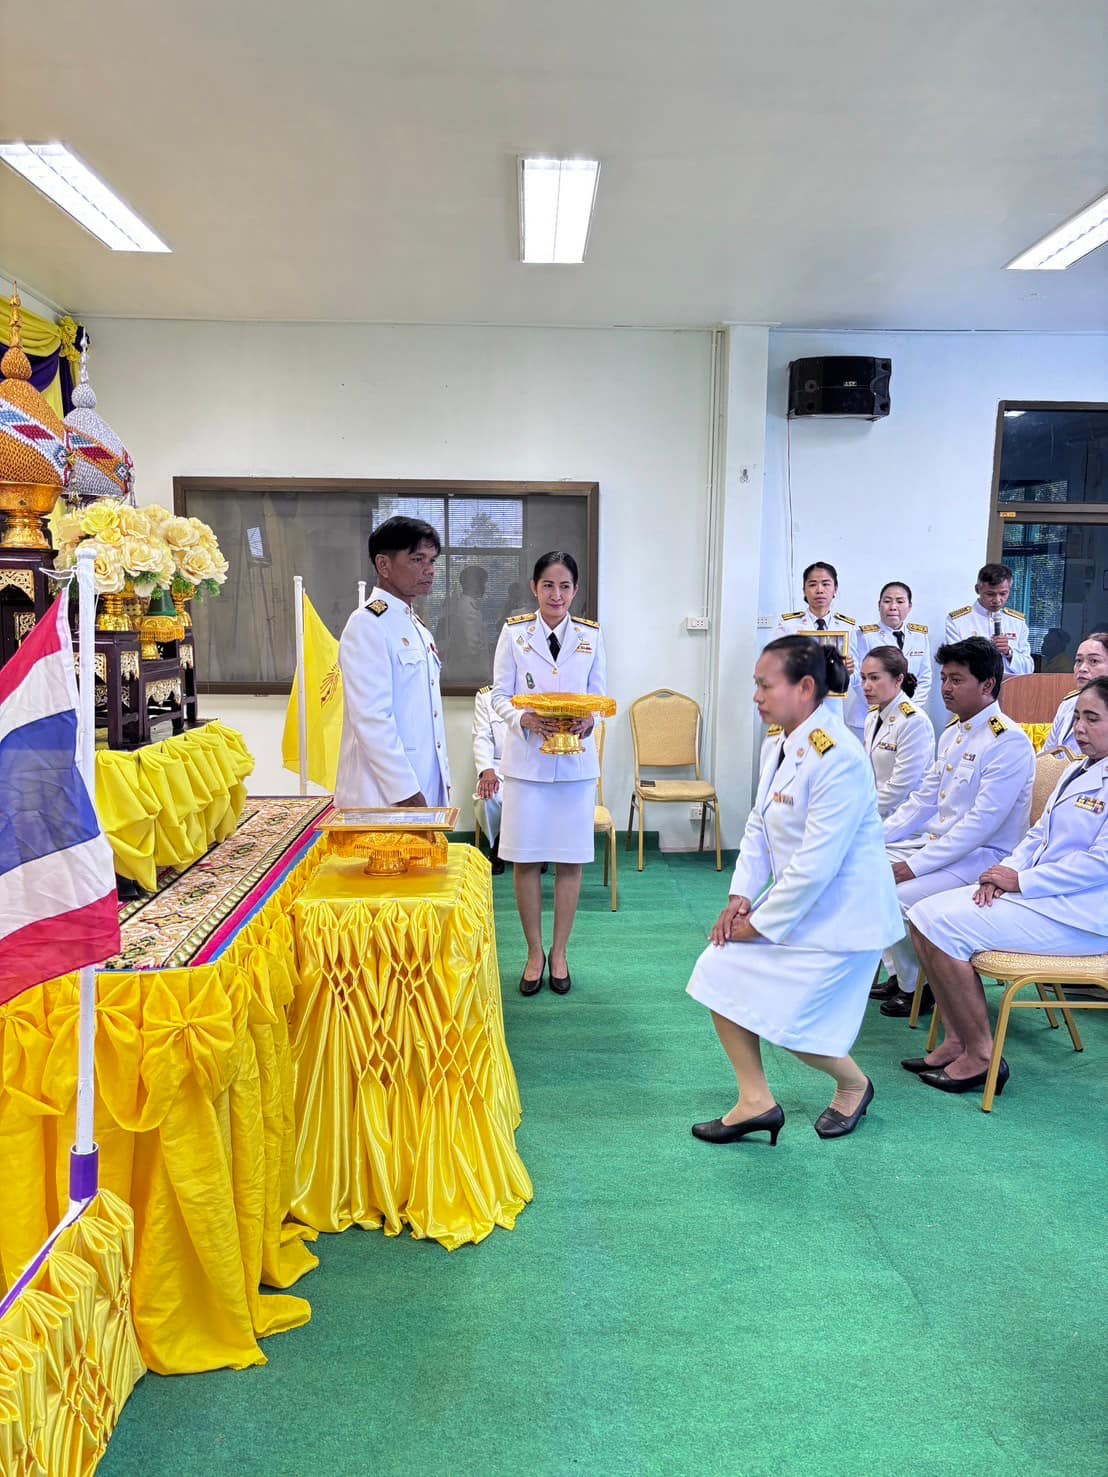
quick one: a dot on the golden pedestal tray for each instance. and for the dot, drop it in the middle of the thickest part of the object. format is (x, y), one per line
(23, 506)
(393, 839)
(564, 708)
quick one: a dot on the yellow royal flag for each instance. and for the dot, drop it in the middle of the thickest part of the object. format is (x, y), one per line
(323, 700)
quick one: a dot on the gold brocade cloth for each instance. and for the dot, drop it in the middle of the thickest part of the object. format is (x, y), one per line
(406, 1099)
(164, 805)
(1037, 733)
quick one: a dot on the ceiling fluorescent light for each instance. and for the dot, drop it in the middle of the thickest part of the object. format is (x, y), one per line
(556, 197)
(68, 182)
(1068, 243)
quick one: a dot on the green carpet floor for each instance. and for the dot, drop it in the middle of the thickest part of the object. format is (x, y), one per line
(924, 1297)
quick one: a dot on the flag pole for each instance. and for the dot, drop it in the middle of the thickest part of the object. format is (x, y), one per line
(301, 683)
(84, 1157)
(361, 593)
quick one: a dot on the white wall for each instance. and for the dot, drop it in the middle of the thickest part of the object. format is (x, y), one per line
(628, 409)
(906, 497)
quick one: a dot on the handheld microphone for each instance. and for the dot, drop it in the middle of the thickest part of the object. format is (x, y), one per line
(996, 625)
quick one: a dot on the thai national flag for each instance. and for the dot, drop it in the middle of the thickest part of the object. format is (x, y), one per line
(58, 906)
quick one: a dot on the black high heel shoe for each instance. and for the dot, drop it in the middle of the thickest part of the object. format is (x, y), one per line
(938, 1077)
(831, 1124)
(717, 1132)
(561, 984)
(532, 987)
(918, 1064)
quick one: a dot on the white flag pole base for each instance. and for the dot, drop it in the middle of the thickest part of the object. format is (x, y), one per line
(301, 681)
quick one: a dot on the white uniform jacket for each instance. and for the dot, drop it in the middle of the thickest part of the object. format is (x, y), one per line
(812, 855)
(917, 653)
(1061, 730)
(523, 664)
(851, 705)
(1063, 860)
(901, 750)
(975, 620)
(393, 734)
(974, 803)
(489, 731)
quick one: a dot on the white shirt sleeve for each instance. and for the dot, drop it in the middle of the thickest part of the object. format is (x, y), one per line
(366, 665)
(484, 750)
(915, 751)
(504, 682)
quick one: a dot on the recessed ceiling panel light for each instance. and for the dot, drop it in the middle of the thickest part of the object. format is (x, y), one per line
(556, 197)
(1068, 243)
(69, 182)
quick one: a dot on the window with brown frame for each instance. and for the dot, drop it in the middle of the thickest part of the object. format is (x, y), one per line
(271, 529)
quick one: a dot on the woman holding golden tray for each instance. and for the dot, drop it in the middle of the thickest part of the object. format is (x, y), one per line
(548, 686)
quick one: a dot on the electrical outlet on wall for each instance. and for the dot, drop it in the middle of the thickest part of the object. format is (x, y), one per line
(765, 622)
(696, 623)
(696, 812)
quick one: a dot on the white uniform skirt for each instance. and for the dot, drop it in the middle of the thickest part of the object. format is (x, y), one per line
(547, 822)
(953, 922)
(805, 999)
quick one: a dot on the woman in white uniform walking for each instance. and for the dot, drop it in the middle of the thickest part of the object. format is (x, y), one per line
(548, 800)
(812, 905)
(898, 737)
(1091, 661)
(1049, 897)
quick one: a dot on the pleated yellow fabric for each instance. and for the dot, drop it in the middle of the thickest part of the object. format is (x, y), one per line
(195, 1124)
(406, 1099)
(68, 1354)
(164, 805)
(1038, 733)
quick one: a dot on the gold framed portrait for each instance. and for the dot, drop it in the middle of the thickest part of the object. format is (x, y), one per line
(841, 639)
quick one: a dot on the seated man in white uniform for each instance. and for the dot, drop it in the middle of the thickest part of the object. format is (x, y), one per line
(488, 750)
(990, 617)
(1049, 897)
(821, 585)
(893, 628)
(973, 806)
(393, 749)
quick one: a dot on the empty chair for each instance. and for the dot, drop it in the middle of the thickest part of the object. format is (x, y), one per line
(665, 730)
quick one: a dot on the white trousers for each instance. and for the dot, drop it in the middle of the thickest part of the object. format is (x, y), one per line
(901, 958)
(488, 814)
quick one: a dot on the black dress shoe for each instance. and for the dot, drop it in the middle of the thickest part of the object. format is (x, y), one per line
(561, 984)
(886, 991)
(918, 1064)
(718, 1132)
(532, 987)
(831, 1124)
(938, 1077)
(496, 864)
(900, 1004)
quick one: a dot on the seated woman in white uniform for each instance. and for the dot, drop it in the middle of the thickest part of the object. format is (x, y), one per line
(812, 905)
(548, 800)
(1091, 661)
(1049, 897)
(899, 737)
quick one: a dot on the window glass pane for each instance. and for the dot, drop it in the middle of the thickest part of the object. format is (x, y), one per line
(486, 523)
(1054, 456)
(393, 505)
(1061, 584)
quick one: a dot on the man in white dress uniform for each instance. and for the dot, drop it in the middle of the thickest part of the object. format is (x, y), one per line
(990, 617)
(488, 752)
(821, 585)
(393, 749)
(972, 807)
(893, 628)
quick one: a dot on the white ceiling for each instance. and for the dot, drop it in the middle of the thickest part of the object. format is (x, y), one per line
(858, 163)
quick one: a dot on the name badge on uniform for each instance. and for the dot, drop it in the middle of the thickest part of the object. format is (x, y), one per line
(781, 799)
(530, 682)
(968, 758)
(1090, 802)
(891, 748)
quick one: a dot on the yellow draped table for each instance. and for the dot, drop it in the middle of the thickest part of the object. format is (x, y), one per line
(406, 1099)
(164, 805)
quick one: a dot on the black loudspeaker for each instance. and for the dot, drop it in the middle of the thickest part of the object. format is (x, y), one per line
(840, 386)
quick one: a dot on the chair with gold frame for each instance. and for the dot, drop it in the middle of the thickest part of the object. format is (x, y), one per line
(602, 819)
(665, 730)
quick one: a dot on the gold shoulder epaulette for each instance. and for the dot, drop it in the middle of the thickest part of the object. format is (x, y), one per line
(913, 627)
(957, 614)
(848, 618)
(821, 741)
(792, 615)
(480, 690)
(581, 621)
(519, 620)
(907, 709)
(874, 707)
(869, 629)
(775, 730)
(997, 726)
(1015, 614)
(1074, 693)
(377, 607)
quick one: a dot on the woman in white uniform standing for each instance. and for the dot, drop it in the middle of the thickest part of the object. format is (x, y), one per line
(1091, 661)
(899, 737)
(812, 905)
(549, 800)
(1049, 897)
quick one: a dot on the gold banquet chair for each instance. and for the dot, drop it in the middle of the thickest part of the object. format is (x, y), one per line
(602, 818)
(665, 730)
(1048, 770)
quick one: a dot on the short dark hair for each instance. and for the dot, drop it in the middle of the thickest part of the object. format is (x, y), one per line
(895, 664)
(821, 564)
(978, 655)
(897, 585)
(1099, 685)
(994, 574)
(802, 657)
(1101, 636)
(401, 535)
(555, 556)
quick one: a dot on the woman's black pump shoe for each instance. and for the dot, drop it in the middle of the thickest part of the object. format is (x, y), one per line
(561, 983)
(937, 1077)
(532, 987)
(718, 1132)
(831, 1124)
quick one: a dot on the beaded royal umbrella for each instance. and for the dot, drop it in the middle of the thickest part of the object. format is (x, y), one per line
(34, 447)
(564, 707)
(102, 466)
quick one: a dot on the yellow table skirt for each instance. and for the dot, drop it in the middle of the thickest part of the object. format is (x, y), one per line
(406, 1100)
(68, 1356)
(1037, 733)
(164, 805)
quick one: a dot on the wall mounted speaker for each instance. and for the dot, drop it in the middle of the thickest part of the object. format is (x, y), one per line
(842, 386)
